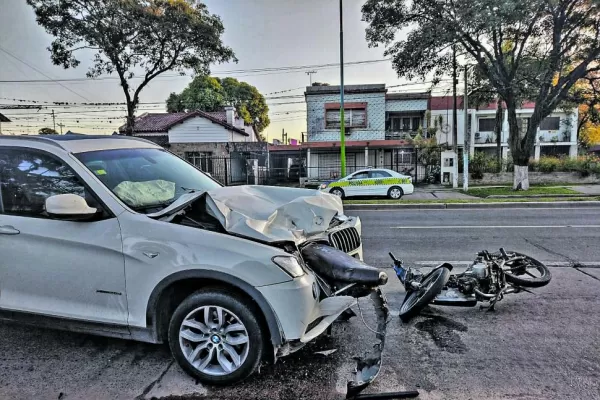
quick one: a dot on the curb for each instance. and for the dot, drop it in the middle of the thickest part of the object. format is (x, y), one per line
(455, 206)
(539, 196)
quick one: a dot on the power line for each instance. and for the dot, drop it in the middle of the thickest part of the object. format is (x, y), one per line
(40, 72)
(293, 68)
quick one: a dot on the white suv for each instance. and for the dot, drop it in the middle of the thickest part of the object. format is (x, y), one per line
(118, 237)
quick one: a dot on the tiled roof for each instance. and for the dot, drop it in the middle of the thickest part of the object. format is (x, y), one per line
(4, 119)
(162, 122)
(220, 115)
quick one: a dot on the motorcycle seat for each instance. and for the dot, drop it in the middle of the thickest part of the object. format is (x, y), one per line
(331, 263)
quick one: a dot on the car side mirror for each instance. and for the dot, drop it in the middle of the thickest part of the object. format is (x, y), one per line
(69, 207)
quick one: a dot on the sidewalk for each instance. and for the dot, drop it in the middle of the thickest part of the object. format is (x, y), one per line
(437, 192)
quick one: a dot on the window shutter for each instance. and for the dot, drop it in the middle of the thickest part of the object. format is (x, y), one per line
(332, 119)
(359, 117)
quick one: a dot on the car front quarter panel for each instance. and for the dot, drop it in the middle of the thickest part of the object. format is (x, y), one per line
(155, 250)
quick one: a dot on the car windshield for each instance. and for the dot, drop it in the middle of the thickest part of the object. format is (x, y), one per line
(145, 179)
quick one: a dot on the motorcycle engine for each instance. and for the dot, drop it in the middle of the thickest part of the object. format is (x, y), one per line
(479, 271)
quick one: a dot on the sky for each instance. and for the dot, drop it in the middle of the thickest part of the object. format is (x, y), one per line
(262, 33)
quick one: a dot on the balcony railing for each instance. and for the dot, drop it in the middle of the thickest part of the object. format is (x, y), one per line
(553, 136)
(404, 135)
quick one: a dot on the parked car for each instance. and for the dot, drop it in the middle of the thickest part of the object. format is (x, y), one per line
(116, 236)
(371, 182)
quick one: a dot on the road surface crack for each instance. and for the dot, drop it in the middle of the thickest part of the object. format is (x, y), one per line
(586, 273)
(574, 263)
(154, 382)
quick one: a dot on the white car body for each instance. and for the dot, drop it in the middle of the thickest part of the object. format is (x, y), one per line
(115, 275)
(371, 182)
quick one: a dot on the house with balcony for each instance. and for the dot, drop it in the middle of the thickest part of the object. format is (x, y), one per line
(556, 135)
(378, 128)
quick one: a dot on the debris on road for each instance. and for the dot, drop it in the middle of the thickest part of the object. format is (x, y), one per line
(326, 352)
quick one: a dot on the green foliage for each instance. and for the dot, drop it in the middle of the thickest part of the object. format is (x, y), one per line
(481, 163)
(47, 131)
(208, 93)
(128, 36)
(519, 48)
(584, 165)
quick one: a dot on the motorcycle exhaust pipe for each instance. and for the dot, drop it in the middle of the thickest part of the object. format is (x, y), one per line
(484, 295)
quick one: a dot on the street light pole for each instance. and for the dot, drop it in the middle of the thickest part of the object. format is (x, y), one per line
(342, 118)
(467, 134)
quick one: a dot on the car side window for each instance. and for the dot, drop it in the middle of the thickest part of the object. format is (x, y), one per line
(379, 174)
(360, 175)
(28, 177)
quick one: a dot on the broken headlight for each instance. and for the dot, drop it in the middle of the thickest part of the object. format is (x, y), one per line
(289, 265)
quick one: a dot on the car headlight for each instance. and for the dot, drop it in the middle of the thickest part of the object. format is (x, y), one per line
(323, 186)
(289, 265)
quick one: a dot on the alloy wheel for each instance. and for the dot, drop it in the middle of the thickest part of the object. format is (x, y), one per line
(214, 340)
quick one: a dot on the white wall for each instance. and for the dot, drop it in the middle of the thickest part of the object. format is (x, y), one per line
(199, 130)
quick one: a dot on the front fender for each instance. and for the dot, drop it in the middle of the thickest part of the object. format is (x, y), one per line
(277, 337)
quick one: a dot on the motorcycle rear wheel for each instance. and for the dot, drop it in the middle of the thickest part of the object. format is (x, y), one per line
(416, 300)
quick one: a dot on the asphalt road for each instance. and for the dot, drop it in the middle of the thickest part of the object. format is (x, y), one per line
(542, 346)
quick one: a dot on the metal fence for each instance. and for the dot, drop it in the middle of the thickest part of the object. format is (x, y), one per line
(291, 168)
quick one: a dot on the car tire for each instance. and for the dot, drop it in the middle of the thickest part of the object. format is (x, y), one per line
(395, 193)
(215, 337)
(338, 192)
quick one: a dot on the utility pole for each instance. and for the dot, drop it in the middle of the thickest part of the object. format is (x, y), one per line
(467, 134)
(454, 118)
(54, 120)
(454, 108)
(342, 118)
(61, 126)
(310, 73)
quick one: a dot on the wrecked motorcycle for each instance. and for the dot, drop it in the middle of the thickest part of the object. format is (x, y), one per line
(487, 279)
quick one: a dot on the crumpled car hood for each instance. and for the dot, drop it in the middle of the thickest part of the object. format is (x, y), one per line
(273, 214)
(266, 213)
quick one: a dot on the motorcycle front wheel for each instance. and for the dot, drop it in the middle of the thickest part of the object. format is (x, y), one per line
(416, 300)
(525, 271)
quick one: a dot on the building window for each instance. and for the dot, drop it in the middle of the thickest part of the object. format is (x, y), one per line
(404, 124)
(202, 160)
(487, 124)
(416, 123)
(353, 118)
(403, 157)
(550, 124)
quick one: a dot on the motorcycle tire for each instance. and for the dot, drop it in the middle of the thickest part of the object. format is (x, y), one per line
(522, 278)
(416, 300)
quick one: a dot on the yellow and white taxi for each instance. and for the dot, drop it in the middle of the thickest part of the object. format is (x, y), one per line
(371, 182)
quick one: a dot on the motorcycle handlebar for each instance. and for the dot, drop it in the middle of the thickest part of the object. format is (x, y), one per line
(394, 259)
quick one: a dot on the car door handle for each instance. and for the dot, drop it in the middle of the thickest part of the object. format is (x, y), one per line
(9, 230)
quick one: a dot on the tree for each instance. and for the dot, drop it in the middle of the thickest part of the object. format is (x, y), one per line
(207, 93)
(128, 36)
(520, 46)
(47, 131)
(586, 95)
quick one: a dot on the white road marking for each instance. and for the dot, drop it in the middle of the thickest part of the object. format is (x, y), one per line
(472, 209)
(493, 226)
(548, 263)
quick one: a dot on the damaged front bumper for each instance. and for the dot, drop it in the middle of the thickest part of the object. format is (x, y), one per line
(317, 316)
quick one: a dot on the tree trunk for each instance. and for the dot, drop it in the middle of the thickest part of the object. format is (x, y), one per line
(130, 119)
(519, 150)
(521, 177)
(498, 132)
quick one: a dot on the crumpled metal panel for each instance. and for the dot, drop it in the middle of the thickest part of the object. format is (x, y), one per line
(273, 214)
